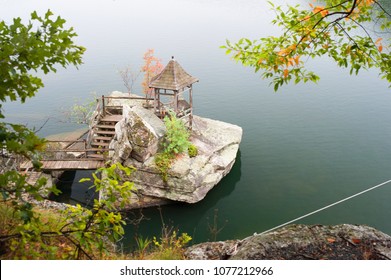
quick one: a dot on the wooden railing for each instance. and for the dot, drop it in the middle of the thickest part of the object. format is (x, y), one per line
(96, 115)
(55, 150)
(108, 98)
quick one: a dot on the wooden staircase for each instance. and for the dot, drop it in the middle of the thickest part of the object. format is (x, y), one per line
(103, 133)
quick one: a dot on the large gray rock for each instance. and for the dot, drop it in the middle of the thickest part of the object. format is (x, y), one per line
(301, 242)
(137, 135)
(137, 139)
(190, 179)
(145, 130)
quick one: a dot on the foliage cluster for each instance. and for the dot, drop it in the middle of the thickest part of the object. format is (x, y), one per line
(192, 150)
(151, 67)
(82, 113)
(176, 141)
(28, 233)
(335, 28)
(74, 233)
(170, 246)
(40, 45)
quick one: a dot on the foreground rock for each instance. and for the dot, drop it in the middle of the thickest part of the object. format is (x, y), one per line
(299, 242)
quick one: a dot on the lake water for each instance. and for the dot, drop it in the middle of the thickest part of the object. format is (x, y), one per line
(303, 148)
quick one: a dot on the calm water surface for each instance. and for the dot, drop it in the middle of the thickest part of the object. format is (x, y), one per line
(303, 148)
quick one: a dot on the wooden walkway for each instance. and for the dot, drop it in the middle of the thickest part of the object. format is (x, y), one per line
(62, 165)
(74, 155)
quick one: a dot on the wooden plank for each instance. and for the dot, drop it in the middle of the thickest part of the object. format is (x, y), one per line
(51, 165)
(56, 164)
(25, 165)
(112, 118)
(100, 131)
(32, 177)
(104, 138)
(129, 97)
(105, 126)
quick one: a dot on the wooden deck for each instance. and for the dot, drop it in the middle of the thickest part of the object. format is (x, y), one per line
(57, 165)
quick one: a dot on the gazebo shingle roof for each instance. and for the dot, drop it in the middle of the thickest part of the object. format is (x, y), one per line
(172, 77)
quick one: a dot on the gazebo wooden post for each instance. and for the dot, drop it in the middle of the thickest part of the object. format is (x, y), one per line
(155, 103)
(103, 106)
(191, 106)
(176, 92)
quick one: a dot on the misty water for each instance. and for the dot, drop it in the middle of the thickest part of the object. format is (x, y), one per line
(304, 147)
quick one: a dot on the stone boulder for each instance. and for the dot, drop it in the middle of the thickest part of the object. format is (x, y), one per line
(190, 179)
(299, 242)
(137, 135)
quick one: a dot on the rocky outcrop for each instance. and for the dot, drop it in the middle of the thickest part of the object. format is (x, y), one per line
(190, 179)
(137, 139)
(298, 242)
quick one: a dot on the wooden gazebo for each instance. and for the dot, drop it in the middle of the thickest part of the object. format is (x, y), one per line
(170, 87)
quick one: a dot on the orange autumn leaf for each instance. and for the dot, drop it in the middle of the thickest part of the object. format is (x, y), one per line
(379, 44)
(366, 3)
(282, 52)
(321, 10)
(297, 59)
(292, 47)
(286, 73)
(331, 240)
(324, 13)
(317, 9)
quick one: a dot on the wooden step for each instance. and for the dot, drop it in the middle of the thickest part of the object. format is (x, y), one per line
(112, 118)
(103, 138)
(100, 144)
(105, 132)
(105, 126)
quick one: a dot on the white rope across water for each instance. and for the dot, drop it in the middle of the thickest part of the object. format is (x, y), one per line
(326, 207)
